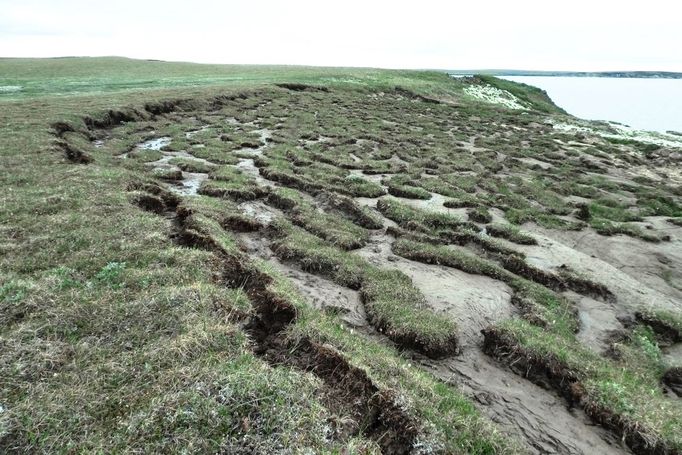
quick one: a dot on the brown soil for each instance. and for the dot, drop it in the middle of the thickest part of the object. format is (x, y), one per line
(524, 410)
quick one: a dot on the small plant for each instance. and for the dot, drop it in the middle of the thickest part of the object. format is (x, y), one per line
(65, 277)
(110, 275)
(13, 292)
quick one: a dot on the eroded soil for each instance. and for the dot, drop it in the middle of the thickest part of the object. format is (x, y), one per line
(453, 155)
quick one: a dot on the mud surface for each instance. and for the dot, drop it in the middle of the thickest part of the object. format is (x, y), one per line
(632, 268)
(522, 409)
(474, 301)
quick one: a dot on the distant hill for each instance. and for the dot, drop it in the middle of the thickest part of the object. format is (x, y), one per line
(630, 74)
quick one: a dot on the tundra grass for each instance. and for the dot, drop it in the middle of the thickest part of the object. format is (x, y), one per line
(511, 233)
(448, 422)
(231, 182)
(405, 215)
(190, 165)
(334, 229)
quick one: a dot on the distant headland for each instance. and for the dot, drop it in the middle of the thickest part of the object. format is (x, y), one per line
(624, 74)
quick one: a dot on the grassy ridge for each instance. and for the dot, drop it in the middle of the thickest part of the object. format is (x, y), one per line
(74, 76)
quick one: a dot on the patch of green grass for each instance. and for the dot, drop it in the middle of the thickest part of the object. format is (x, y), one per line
(614, 212)
(399, 309)
(332, 228)
(522, 216)
(360, 187)
(190, 165)
(110, 275)
(652, 204)
(404, 215)
(401, 187)
(606, 227)
(511, 233)
(480, 215)
(167, 173)
(230, 182)
(359, 214)
(317, 256)
(437, 185)
(671, 320)
(214, 155)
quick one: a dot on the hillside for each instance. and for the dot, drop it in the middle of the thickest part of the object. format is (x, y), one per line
(253, 259)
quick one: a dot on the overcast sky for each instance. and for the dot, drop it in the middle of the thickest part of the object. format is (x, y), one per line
(524, 34)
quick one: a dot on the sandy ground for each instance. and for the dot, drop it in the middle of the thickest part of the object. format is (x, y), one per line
(494, 95)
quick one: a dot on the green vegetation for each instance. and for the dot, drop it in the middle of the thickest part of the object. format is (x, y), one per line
(190, 165)
(511, 233)
(408, 216)
(533, 96)
(336, 230)
(228, 181)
